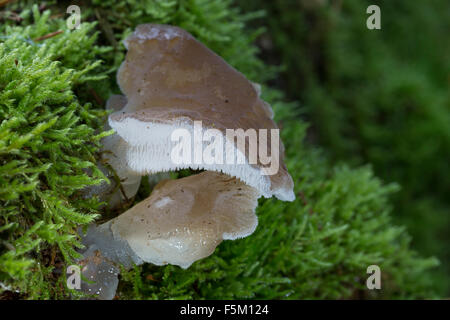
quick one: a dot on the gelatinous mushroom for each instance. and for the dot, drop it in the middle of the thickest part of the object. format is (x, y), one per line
(184, 220)
(114, 150)
(181, 222)
(171, 81)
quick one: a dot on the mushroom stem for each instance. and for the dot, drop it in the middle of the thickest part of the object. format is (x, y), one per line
(124, 182)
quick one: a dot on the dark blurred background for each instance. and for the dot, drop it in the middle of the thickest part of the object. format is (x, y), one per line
(378, 97)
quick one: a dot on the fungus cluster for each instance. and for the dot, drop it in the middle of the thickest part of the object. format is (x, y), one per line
(172, 81)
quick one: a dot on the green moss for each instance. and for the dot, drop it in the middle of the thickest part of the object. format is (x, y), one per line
(47, 142)
(316, 247)
(375, 96)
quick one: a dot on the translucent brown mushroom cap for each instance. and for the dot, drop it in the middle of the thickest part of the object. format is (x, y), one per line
(184, 220)
(166, 67)
(171, 79)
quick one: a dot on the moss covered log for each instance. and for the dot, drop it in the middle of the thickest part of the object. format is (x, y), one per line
(53, 84)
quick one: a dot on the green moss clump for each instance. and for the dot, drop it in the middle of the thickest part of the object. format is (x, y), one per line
(48, 143)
